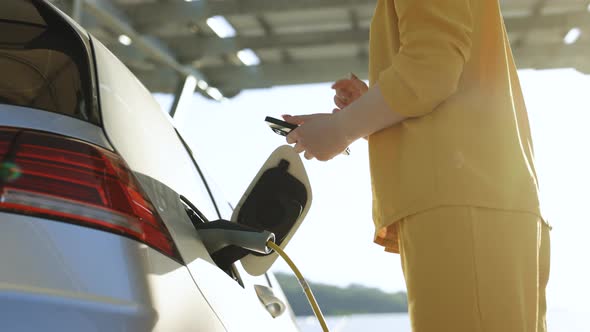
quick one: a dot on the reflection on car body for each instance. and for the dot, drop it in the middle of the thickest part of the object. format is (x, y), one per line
(94, 233)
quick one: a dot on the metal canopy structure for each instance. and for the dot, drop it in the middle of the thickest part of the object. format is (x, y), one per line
(296, 41)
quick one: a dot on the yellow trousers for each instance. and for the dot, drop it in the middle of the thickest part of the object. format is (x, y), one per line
(474, 270)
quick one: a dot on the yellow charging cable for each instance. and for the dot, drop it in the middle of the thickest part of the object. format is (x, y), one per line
(303, 283)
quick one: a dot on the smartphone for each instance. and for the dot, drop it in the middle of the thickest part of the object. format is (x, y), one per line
(284, 128)
(279, 126)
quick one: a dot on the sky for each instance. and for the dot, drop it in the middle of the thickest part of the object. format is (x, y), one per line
(334, 244)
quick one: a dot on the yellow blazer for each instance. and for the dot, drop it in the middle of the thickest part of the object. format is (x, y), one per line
(448, 66)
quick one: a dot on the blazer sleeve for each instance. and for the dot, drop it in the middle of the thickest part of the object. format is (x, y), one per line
(435, 44)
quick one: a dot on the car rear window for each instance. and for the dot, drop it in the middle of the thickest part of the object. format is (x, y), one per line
(44, 62)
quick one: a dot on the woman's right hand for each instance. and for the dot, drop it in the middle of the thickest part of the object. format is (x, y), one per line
(347, 91)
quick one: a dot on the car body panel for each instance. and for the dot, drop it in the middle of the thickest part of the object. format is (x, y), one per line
(72, 278)
(149, 146)
(66, 277)
(142, 133)
(24, 117)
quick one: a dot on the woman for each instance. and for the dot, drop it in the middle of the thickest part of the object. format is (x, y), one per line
(454, 186)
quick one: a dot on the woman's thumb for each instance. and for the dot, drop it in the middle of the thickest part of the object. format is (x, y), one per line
(297, 119)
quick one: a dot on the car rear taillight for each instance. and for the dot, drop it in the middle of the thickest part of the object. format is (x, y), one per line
(69, 180)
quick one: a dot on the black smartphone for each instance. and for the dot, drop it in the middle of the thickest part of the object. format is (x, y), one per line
(279, 126)
(284, 128)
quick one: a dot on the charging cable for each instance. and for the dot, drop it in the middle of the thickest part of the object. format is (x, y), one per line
(303, 283)
(222, 234)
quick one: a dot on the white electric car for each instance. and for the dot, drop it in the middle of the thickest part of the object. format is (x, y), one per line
(107, 223)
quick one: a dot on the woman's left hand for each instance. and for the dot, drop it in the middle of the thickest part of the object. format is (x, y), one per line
(319, 136)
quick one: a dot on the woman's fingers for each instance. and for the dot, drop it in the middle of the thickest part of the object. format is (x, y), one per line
(344, 93)
(345, 86)
(342, 83)
(292, 137)
(340, 103)
(359, 86)
(296, 119)
(298, 148)
(348, 90)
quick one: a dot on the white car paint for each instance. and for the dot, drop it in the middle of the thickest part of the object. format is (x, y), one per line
(65, 277)
(71, 278)
(153, 148)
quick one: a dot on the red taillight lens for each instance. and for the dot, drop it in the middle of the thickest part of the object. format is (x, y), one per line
(61, 178)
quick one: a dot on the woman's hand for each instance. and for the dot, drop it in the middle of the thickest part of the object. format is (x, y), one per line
(347, 91)
(320, 136)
